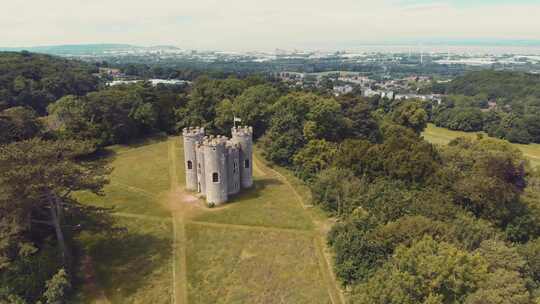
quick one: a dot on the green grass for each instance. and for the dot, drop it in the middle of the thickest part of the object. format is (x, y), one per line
(270, 203)
(243, 266)
(132, 266)
(442, 136)
(262, 247)
(124, 199)
(135, 266)
(144, 167)
(139, 180)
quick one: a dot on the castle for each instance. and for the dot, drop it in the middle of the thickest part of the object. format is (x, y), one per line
(217, 166)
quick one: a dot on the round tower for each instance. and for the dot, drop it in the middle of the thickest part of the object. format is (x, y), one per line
(191, 136)
(201, 179)
(215, 167)
(233, 167)
(243, 136)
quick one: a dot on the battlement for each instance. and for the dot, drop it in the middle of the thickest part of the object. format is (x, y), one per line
(193, 131)
(242, 131)
(214, 141)
(218, 166)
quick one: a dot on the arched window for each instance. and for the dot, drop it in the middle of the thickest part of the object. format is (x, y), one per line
(189, 165)
(235, 166)
(246, 163)
(215, 177)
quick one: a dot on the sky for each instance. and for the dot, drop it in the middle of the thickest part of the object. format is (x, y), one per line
(239, 25)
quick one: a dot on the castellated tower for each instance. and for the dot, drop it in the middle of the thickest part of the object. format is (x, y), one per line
(243, 136)
(201, 186)
(191, 137)
(233, 167)
(215, 168)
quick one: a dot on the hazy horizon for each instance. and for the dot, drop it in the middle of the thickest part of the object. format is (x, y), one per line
(243, 25)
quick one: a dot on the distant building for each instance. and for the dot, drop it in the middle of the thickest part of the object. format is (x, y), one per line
(154, 82)
(368, 92)
(342, 90)
(110, 72)
(216, 166)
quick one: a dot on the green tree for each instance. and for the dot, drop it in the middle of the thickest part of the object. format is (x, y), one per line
(57, 288)
(427, 272)
(336, 190)
(314, 157)
(38, 179)
(486, 176)
(412, 115)
(18, 123)
(253, 106)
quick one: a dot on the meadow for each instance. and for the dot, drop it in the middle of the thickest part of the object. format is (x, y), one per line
(442, 136)
(265, 246)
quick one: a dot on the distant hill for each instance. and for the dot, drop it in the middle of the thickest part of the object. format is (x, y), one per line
(496, 84)
(83, 49)
(36, 80)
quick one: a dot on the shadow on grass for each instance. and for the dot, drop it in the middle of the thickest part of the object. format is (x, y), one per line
(124, 262)
(150, 139)
(106, 155)
(257, 191)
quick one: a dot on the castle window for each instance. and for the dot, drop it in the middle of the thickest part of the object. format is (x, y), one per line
(246, 163)
(189, 165)
(235, 167)
(215, 177)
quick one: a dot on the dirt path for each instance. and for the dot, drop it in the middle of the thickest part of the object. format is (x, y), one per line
(179, 234)
(134, 189)
(252, 228)
(90, 285)
(335, 293)
(141, 216)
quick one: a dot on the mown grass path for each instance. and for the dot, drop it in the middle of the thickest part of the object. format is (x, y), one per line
(265, 246)
(179, 236)
(324, 261)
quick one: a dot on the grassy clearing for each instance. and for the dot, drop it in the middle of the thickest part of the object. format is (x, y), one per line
(132, 266)
(241, 266)
(124, 199)
(442, 136)
(269, 204)
(135, 266)
(144, 168)
(138, 182)
(262, 247)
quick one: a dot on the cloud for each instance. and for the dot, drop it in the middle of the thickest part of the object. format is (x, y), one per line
(258, 24)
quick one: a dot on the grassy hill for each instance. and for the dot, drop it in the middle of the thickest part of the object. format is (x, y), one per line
(496, 84)
(262, 247)
(442, 136)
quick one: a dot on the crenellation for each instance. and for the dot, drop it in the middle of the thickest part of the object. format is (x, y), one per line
(218, 166)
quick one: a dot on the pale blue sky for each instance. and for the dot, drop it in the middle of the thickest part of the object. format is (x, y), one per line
(264, 24)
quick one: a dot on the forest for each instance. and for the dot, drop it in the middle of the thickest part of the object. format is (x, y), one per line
(414, 222)
(503, 104)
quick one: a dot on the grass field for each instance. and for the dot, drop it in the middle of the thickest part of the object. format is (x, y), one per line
(262, 247)
(132, 266)
(253, 266)
(442, 136)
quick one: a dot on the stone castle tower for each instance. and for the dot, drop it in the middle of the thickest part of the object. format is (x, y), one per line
(217, 166)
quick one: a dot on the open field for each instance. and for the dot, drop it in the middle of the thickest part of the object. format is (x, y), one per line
(263, 247)
(249, 266)
(268, 204)
(131, 266)
(442, 136)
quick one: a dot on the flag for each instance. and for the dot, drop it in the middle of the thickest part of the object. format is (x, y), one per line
(236, 119)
